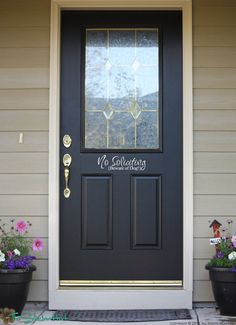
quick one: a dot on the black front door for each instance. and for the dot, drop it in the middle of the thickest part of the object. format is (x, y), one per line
(121, 198)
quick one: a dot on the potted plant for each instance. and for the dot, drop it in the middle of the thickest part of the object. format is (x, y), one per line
(222, 268)
(16, 263)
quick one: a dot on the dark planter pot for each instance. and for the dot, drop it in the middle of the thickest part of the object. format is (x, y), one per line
(14, 288)
(223, 282)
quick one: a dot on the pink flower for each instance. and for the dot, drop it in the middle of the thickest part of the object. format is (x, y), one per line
(21, 227)
(9, 254)
(234, 241)
(37, 245)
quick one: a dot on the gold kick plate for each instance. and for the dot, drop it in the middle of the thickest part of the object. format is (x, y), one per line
(124, 283)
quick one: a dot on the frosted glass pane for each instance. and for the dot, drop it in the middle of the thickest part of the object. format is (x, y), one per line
(96, 83)
(122, 131)
(121, 47)
(96, 52)
(147, 129)
(146, 88)
(95, 130)
(121, 89)
(147, 49)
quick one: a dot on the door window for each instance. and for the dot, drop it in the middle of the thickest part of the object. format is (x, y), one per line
(122, 89)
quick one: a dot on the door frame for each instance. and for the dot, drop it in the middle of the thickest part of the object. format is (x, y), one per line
(119, 298)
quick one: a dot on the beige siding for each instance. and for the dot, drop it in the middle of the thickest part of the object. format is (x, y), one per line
(215, 3)
(215, 98)
(211, 15)
(202, 291)
(214, 141)
(24, 16)
(222, 57)
(24, 57)
(24, 78)
(38, 291)
(24, 120)
(212, 120)
(18, 163)
(24, 37)
(23, 99)
(215, 184)
(33, 142)
(216, 36)
(202, 249)
(13, 205)
(23, 184)
(24, 81)
(211, 78)
(42, 270)
(215, 162)
(214, 53)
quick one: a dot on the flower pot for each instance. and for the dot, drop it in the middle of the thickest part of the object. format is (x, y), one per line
(14, 288)
(223, 282)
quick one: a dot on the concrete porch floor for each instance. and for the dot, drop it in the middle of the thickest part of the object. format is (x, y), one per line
(202, 314)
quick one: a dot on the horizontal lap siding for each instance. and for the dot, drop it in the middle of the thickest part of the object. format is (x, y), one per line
(23, 184)
(24, 104)
(24, 120)
(214, 53)
(24, 99)
(213, 99)
(18, 162)
(24, 37)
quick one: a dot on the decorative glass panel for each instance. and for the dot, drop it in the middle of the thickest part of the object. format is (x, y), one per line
(121, 89)
(96, 130)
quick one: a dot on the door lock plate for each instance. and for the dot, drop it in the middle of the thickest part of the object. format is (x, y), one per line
(67, 159)
(67, 140)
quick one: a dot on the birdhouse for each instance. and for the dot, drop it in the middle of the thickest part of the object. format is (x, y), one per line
(215, 225)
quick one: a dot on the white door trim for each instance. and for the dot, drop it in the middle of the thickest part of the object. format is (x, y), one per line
(120, 298)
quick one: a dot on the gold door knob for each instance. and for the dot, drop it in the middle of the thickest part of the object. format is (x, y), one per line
(67, 159)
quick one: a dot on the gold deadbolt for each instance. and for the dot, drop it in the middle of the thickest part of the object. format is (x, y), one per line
(67, 140)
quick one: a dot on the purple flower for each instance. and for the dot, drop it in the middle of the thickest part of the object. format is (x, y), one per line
(220, 255)
(9, 264)
(23, 262)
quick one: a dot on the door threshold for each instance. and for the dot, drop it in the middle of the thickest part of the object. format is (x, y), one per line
(121, 283)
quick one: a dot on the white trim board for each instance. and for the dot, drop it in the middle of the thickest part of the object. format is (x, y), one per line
(91, 298)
